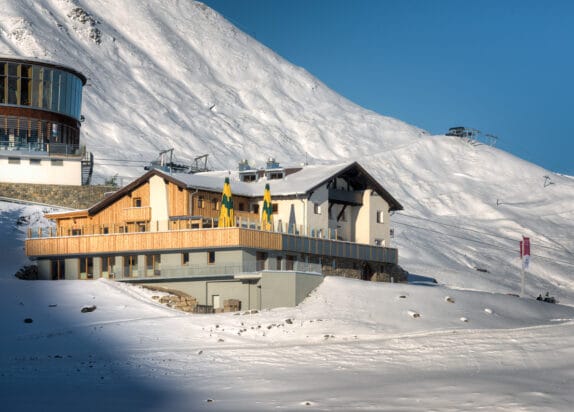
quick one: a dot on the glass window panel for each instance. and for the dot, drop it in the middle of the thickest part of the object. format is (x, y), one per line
(25, 92)
(70, 93)
(47, 89)
(2, 89)
(64, 90)
(12, 69)
(55, 91)
(78, 99)
(12, 90)
(35, 86)
(73, 96)
(26, 71)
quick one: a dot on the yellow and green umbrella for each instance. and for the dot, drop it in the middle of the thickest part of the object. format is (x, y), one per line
(226, 218)
(267, 210)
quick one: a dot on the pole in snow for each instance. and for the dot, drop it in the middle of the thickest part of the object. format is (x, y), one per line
(525, 257)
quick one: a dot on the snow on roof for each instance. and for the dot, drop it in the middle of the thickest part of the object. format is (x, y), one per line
(300, 182)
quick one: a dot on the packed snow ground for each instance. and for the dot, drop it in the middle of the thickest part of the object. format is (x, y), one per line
(351, 345)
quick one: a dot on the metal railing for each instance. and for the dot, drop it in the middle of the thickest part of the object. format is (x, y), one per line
(196, 271)
(58, 149)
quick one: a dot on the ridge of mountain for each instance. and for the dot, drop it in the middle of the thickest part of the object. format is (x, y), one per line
(177, 74)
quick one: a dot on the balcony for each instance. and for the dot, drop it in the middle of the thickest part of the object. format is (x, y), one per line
(344, 197)
(153, 241)
(41, 149)
(213, 238)
(136, 214)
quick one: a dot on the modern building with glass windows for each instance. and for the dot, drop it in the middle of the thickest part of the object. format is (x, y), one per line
(40, 117)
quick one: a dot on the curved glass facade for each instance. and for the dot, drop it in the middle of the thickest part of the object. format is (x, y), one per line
(34, 85)
(40, 106)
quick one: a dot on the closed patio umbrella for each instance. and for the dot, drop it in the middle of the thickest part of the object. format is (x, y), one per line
(226, 218)
(267, 210)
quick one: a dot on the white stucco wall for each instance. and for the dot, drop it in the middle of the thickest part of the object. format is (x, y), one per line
(159, 204)
(68, 172)
(367, 228)
(303, 213)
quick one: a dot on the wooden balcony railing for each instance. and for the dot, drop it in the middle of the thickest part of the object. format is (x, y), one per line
(136, 214)
(153, 241)
(212, 238)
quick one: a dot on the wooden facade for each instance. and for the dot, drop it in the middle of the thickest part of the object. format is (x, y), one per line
(218, 238)
(132, 213)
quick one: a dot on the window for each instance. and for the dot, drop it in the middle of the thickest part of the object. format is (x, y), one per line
(14, 160)
(87, 268)
(289, 262)
(76, 232)
(141, 226)
(215, 204)
(211, 257)
(105, 230)
(317, 208)
(130, 265)
(152, 264)
(274, 207)
(58, 269)
(35, 162)
(200, 202)
(380, 216)
(241, 207)
(255, 208)
(137, 202)
(261, 259)
(108, 263)
(379, 242)
(185, 258)
(57, 162)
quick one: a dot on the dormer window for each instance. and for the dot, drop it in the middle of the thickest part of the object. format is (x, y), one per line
(248, 177)
(275, 175)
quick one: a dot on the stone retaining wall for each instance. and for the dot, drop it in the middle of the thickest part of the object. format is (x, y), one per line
(73, 197)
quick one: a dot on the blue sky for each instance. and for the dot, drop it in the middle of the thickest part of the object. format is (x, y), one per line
(504, 67)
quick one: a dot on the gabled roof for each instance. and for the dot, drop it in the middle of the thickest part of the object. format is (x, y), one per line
(302, 182)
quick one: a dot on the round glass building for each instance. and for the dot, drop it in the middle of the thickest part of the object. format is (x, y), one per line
(40, 105)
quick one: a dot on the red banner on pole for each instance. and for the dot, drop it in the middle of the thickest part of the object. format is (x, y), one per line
(525, 251)
(526, 246)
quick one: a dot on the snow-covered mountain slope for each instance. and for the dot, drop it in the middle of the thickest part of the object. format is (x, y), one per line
(176, 74)
(466, 208)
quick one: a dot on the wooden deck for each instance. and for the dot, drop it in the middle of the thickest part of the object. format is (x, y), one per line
(211, 238)
(153, 241)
